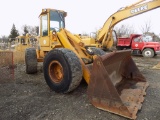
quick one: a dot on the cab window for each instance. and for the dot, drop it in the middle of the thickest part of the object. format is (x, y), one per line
(56, 20)
(137, 39)
(44, 26)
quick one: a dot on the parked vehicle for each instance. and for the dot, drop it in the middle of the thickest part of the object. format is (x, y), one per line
(140, 45)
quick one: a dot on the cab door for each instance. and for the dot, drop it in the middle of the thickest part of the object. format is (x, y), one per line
(137, 43)
(44, 33)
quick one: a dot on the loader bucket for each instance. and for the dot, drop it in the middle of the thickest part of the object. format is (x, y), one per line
(116, 84)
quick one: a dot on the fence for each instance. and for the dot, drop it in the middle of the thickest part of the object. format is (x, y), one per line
(6, 66)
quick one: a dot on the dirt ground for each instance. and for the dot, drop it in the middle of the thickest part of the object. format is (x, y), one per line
(29, 98)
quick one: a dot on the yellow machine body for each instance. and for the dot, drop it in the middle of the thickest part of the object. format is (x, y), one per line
(22, 42)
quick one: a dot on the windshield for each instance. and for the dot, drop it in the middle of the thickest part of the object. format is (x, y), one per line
(56, 20)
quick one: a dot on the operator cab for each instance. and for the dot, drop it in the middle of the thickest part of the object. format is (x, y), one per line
(51, 20)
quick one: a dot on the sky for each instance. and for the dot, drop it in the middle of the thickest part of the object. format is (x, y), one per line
(83, 16)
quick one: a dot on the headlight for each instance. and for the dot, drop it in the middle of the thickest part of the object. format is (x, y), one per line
(53, 32)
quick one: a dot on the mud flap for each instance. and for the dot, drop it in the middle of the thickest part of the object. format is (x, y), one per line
(116, 84)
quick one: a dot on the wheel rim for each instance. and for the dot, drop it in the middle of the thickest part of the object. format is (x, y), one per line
(148, 53)
(56, 71)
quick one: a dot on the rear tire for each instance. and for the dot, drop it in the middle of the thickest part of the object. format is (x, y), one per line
(31, 60)
(148, 52)
(97, 51)
(62, 70)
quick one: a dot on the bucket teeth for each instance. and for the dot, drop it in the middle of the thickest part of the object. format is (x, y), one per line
(116, 84)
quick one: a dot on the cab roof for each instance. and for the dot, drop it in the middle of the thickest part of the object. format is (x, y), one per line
(47, 10)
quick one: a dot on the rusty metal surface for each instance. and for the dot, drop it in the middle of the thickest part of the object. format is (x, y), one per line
(117, 85)
(6, 66)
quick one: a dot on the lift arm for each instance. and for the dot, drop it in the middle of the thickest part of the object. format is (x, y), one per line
(137, 8)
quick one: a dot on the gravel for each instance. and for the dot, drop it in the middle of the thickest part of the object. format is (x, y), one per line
(28, 97)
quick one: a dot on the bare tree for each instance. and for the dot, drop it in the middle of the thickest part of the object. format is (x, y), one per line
(155, 37)
(4, 42)
(5, 38)
(146, 27)
(124, 30)
(33, 30)
(25, 30)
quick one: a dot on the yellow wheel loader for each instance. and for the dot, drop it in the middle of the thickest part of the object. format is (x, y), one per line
(114, 82)
(23, 42)
(19, 46)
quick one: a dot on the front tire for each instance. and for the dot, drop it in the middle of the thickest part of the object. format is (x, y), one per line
(62, 70)
(148, 52)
